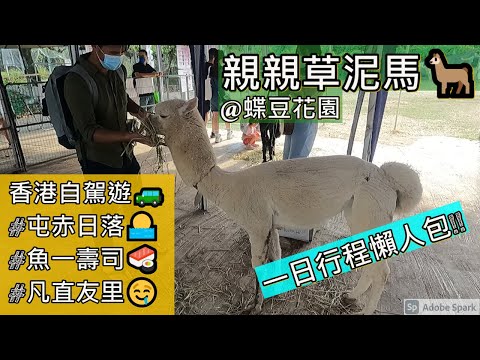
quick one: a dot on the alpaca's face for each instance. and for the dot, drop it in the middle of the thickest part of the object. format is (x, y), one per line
(171, 115)
(435, 59)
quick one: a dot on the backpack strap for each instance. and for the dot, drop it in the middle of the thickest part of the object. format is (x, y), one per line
(78, 69)
(121, 74)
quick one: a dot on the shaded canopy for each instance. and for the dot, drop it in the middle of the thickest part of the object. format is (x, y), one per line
(27, 46)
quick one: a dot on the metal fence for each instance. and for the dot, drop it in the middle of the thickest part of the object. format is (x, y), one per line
(35, 132)
(8, 160)
(36, 135)
(167, 87)
(177, 87)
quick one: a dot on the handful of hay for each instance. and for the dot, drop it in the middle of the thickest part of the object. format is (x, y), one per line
(145, 128)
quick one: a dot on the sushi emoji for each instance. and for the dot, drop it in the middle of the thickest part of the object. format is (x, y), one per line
(143, 258)
(148, 266)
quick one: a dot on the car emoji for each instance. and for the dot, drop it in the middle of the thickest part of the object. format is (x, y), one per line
(149, 196)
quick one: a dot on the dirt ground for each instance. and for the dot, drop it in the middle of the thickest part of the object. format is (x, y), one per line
(212, 256)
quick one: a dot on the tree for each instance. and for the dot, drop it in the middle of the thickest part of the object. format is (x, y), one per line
(29, 64)
(169, 56)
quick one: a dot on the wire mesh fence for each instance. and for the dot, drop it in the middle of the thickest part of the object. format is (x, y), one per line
(8, 162)
(35, 132)
(149, 91)
(178, 87)
(9, 155)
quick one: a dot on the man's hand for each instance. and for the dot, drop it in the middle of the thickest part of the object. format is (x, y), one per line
(142, 114)
(142, 139)
(159, 74)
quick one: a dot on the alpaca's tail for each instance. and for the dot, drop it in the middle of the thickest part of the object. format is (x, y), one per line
(465, 68)
(406, 182)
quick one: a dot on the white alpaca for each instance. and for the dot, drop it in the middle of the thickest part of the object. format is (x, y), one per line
(301, 193)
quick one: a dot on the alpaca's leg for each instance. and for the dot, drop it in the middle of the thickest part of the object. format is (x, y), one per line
(367, 212)
(444, 88)
(467, 88)
(270, 250)
(274, 249)
(198, 200)
(459, 87)
(259, 248)
(378, 273)
(364, 282)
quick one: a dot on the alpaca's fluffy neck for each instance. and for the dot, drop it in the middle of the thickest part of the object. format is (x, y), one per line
(440, 66)
(217, 185)
(192, 152)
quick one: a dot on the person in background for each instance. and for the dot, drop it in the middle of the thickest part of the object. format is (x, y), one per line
(208, 89)
(3, 126)
(4, 132)
(104, 143)
(214, 101)
(142, 70)
(300, 143)
(251, 134)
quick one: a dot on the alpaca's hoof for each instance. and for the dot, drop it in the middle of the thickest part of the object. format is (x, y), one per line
(361, 312)
(252, 310)
(365, 311)
(247, 311)
(352, 305)
(256, 310)
(347, 300)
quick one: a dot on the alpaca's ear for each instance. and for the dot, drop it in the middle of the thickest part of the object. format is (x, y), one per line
(189, 106)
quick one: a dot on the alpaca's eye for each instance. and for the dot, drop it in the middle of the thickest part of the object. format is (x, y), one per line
(163, 116)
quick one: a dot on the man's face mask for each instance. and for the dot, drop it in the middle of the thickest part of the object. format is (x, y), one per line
(142, 59)
(110, 62)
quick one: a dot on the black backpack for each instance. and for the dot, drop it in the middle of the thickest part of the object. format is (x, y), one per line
(55, 105)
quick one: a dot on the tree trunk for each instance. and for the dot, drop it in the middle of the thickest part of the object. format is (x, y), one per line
(29, 65)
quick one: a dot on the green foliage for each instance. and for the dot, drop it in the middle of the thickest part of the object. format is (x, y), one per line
(17, 76)
(169, 55)
(44, 73)
(13, 76)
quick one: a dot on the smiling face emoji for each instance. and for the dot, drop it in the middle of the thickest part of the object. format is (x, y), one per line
(141, 292)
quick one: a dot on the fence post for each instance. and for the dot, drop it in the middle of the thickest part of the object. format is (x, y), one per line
(160, 69)
(12, 128)
(398, 107)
